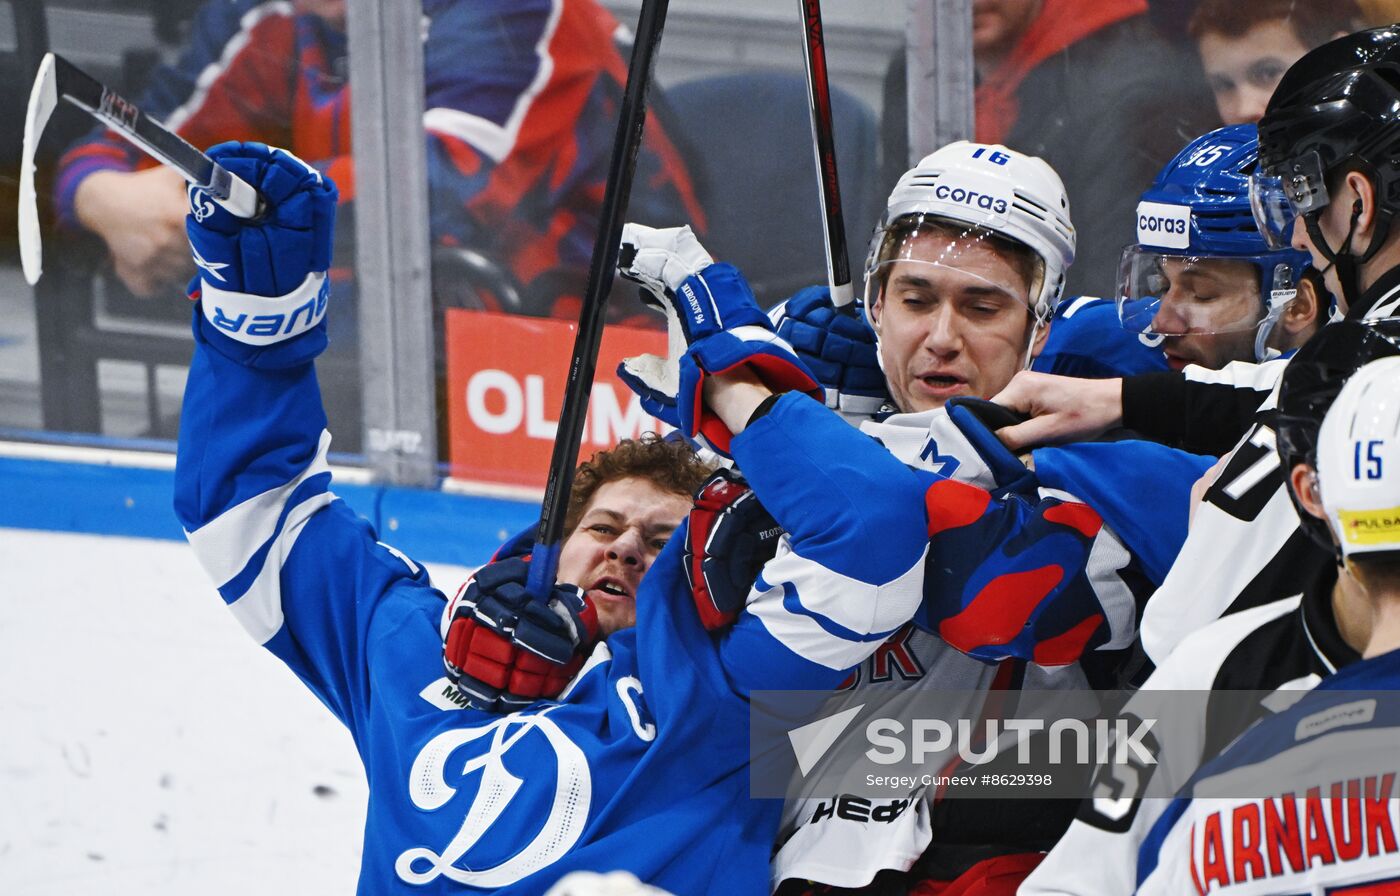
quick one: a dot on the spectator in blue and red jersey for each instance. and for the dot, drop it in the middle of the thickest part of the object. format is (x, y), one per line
(521, 103)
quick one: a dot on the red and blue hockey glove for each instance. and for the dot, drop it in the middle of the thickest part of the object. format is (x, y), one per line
(1031, 597)
(711, 308)
(263, 281)
(504, 649)
(838, 348)
(729, 538)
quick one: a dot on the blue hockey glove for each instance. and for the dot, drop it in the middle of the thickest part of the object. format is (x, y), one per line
(714, 311)
(838, 348)
(263, 281)
(1031, 597)
(504, 649)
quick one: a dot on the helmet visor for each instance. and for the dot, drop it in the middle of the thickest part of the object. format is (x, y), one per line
(1163, 294)
(1277, 199)
(941, 257)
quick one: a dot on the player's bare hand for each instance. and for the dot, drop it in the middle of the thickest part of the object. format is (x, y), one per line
(141, 217)
(1061, 408)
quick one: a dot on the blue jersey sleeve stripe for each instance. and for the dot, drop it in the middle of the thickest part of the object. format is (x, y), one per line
(1151, 850)
(872, 526)
(793, 605)
(259, 608)
(226, 543)
(829, 619)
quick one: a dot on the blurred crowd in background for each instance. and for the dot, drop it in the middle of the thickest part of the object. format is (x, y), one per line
(521, 100)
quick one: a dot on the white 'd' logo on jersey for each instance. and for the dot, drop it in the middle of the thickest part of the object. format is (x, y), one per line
(428, 787)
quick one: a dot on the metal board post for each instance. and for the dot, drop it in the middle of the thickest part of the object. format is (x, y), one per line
(392, 258)
(940, 74)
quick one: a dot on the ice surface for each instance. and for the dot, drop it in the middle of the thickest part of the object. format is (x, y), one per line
(147, 745)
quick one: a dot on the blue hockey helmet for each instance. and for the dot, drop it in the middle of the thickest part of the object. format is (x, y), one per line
(1200, 265)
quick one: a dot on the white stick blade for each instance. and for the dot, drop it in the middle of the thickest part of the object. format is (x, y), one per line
(42, 100)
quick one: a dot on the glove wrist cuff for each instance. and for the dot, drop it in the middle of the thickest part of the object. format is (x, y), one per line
(265, 320)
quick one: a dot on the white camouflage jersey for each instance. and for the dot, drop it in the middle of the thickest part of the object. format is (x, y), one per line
(1303, 804)
(1285, 647)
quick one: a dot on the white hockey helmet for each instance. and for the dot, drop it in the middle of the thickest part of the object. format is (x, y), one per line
(1358, 460)
(988, 188)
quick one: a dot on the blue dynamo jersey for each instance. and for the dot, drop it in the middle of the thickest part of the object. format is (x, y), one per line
(1334, 831)
(1088, 340)
(643, 764)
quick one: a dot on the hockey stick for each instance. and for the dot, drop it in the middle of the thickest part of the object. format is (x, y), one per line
(545, 559)
(58, 79)
(838, 262)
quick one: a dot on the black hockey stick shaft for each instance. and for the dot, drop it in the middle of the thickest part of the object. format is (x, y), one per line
(838, 263)
(152, 137)
(545, 559)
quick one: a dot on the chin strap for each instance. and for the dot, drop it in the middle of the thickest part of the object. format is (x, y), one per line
(1279, 300)
(1342, 259)
(1263, 330)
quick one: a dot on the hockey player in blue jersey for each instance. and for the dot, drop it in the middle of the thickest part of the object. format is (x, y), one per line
(1204, 283)
(642, 765)
(1305, 802)
(1087, 339)
(1201, 280)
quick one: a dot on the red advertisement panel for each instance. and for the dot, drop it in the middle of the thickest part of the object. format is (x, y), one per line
(505, 388)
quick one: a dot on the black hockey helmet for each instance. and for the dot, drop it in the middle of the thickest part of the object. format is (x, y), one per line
(1337, 108)
(1310, 384)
